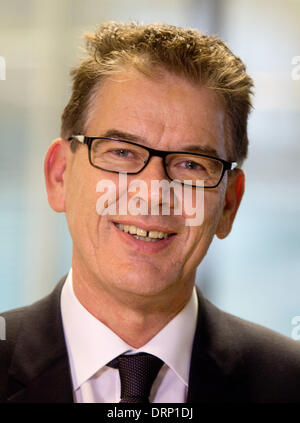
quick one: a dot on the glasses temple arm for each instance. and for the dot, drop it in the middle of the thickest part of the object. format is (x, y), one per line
(79, 138)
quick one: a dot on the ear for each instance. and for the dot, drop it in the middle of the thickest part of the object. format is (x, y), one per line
(234, 193)
(55, 165)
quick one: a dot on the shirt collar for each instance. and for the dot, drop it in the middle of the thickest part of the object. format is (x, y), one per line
(91, 344)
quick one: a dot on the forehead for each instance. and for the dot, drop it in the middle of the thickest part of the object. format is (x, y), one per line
(166, 113)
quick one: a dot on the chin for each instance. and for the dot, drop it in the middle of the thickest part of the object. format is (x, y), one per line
(142, 284)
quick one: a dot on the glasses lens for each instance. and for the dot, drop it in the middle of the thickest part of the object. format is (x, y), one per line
(202, 171)
(118, 156)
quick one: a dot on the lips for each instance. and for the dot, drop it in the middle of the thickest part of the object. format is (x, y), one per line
(153, 235)
(146, 239)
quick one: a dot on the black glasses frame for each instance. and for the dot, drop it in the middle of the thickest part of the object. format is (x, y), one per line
(152, 153)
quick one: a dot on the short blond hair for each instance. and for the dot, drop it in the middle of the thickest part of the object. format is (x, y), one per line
(202, 59)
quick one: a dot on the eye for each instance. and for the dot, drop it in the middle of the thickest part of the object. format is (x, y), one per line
(122, 153)
(189, 164)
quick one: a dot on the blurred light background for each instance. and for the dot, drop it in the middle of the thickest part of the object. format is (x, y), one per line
(255, 272)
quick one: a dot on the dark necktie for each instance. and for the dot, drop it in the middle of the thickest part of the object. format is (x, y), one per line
(137, 374)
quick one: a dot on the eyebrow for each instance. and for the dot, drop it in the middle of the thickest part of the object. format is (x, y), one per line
(192, 148)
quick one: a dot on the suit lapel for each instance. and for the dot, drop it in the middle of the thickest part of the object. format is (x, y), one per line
(214, 357)
(52, 386)
(39, 370)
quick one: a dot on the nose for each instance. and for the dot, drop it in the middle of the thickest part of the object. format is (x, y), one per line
(154, 170)
(159, 195)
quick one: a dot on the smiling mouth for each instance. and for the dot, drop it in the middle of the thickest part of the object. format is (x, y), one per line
(142, 234)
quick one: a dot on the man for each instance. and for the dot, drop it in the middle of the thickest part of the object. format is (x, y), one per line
(153, 103)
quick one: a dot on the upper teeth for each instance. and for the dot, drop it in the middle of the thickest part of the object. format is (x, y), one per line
(134, 230)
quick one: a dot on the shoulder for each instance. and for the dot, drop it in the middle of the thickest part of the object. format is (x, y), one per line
(12, 321)
(39, 314)
(242, 335)
(254, 340)
(263, 363)
(27, 331)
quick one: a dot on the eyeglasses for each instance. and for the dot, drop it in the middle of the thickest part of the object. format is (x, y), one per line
(120, 156)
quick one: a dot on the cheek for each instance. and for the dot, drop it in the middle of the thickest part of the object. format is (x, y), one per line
(213, 208)
(81, 198)
(201, 236)
(201, 208)
(208, 213)
(193, 206)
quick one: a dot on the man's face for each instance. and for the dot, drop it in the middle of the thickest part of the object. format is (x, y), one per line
(169, 114)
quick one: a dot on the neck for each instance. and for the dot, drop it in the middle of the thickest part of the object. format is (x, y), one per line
(135, 318)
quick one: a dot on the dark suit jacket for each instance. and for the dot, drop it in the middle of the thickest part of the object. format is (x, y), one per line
(232, 360)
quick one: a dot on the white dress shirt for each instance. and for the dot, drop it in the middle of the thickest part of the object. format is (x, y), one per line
(91, 344)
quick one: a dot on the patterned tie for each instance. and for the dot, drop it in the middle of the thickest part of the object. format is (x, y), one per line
(137, 374)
